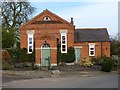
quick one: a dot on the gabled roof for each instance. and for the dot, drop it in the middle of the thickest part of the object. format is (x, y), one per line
(91, 35)
(35, 21)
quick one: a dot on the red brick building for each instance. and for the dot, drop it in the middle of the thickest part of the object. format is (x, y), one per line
(46, 30)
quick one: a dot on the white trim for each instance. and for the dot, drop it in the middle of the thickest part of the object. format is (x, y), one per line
(64, 34)
(63, 31)
(30, 31)
(37, 64)
(41, 64)
(77, 46)
(54, 64)
(91, 46)
(70, 63)
(45, 48)
(30, 35)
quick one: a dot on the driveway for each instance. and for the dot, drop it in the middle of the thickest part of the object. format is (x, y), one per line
(106, 80)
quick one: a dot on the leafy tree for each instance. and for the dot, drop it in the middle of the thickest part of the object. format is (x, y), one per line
(13, 15)
(115, 46)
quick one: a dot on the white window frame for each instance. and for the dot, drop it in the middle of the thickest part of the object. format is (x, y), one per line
(30, 36)
(64, 33)
(47, 18)
(92, 46)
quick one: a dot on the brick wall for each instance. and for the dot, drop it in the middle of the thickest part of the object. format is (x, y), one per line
(46, 32)
(101, 49)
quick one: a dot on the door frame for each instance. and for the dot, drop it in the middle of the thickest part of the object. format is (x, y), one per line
(77, 47)
(41, 53)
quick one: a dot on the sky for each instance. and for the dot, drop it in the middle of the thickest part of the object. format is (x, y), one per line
(86, 13)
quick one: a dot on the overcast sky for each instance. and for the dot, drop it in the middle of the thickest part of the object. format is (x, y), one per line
(86, 13)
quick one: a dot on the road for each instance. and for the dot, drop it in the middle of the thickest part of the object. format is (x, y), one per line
(100, 81)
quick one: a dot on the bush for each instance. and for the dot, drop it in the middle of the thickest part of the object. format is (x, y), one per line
(5, 65)
(116, 61)
(96, 60)
(5, 55)
(22, 55)
(59, 57)
(107, 64)
(68, 57)
(86, 62)
(31, 57)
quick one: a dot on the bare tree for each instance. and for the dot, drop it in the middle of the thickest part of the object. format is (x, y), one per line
(13, 15)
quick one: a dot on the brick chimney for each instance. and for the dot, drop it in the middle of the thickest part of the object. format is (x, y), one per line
(72, 22)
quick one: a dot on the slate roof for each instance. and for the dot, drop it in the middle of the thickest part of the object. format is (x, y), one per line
(91, 35)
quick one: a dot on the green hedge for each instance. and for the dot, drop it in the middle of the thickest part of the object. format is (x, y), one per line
(66, 57)
(107, 64)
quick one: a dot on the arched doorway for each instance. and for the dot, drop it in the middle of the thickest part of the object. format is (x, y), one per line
(46, 54)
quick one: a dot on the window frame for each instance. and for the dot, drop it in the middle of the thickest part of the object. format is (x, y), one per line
(30, 44)
(91, 49)
(64, 34)
(44, 19)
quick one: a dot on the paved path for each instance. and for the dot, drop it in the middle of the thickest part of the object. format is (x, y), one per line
(100, 81)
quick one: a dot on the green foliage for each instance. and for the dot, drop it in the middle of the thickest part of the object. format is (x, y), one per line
(5, 65)
(8, 39)
(71, 55)
(86, 62)
(107, 64)
(66, 57)
(13, 15)
(96, 60)
(116, 61)
(22, 55)
(31, 57)
(5, 55)
(59, 56)
(115, 47)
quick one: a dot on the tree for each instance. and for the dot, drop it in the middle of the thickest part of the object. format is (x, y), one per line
(13, 15)
(115, 46)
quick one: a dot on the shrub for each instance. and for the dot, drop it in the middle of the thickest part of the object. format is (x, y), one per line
(66, 57)
(59, 57)
(70, 55)
(86, 62)
(107, 64)
(5, 65)
(96, 60)
(31, 57)
(116, 61)
(5, 55)
(22, 55)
